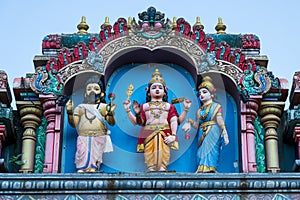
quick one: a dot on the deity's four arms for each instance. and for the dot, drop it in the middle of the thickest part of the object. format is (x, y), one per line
(159, 120)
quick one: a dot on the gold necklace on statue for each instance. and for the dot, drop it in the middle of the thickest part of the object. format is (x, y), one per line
(207, 107)
(156, 105)
(89, 118)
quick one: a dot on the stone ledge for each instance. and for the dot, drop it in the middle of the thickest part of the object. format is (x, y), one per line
(149, 183)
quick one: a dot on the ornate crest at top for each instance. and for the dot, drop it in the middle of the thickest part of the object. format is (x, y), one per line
(151, 24)
(151, 16)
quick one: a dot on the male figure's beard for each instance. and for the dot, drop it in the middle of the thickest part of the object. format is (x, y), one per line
(92, 98)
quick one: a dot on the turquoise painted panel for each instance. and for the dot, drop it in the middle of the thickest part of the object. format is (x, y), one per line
(70, 135)
(68, 147)
(124, 134)
(229, 156)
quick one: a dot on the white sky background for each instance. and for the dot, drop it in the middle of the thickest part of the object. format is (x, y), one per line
(25, 23)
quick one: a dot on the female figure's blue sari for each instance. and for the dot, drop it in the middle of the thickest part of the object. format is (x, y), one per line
(209, 138)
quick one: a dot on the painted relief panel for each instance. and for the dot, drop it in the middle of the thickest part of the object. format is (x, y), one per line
(124, 134)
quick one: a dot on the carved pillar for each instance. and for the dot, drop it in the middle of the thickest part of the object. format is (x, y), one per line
(249, 114)
(270, 111)
(52, 139)
(30, 119)
(3, 134)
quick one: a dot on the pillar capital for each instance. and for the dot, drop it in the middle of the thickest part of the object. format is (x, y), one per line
(271, 111)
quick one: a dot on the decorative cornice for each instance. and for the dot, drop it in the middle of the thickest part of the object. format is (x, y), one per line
(228, 69)
(150, 184)
(152, 31)
(99, 61)
(74, 68)
(170, 41)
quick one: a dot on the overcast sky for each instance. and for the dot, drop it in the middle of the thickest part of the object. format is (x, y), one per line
(25, 23)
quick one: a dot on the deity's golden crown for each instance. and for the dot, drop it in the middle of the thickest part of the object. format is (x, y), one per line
(157, 78)
(207, 83)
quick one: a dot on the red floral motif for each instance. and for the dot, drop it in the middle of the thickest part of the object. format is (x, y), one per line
(183, 27)
(249, 64)
(51, 42)
(105, 33)
(237, 58)
(94, 42)
(120, 27)
(250, 41)
(198, 34)
(64, 58)
(79, 51)
(209, 45)
(52, 65)
(223, 51)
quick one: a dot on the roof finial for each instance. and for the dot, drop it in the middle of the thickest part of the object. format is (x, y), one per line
(129, 23)
(174, 25)
(198, 23)
(106, 23)
(82, 26)
(220, 27)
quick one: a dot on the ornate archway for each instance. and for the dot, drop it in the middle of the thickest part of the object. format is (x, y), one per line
(190, 50)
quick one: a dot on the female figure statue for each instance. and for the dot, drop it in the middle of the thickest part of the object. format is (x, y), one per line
(211, 128)
(159, 120)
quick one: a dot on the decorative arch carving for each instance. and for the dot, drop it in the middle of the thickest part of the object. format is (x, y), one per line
(191, 51)
(152, 31)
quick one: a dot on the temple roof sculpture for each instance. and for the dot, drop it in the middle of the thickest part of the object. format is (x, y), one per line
(261, 133)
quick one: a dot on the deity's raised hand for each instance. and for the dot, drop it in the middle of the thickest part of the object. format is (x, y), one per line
(70, 106)
(127, 104)
(187, 103)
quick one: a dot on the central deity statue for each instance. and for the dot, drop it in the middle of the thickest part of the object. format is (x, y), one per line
(159, 120)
